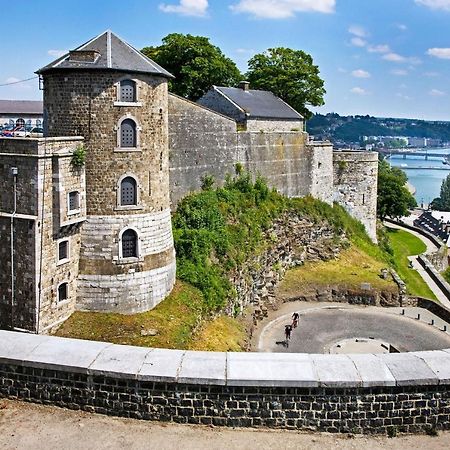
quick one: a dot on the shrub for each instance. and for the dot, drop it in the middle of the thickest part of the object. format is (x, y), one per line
(79, 157)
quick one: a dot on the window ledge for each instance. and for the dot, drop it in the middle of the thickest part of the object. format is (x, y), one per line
(62, 303)
(127, 103)
(127, 149)
(73, 212)
(129, 208)
(62, 262)
(133, 260)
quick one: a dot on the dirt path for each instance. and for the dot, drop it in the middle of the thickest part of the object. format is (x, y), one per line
(25, 426)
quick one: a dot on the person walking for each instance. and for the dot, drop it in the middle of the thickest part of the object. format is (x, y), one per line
(295, 319)
(287, 334)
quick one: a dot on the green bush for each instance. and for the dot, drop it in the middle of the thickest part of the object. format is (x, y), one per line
(218, 230)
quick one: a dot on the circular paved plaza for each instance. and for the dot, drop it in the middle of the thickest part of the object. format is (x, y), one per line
(350, 329)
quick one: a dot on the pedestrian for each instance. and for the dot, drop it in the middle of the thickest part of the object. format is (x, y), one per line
(295, 318)
(287, 332)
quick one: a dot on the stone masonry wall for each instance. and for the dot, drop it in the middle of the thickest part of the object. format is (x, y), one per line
(355, 186)
(273, 125)
(45, 177)
(371, 394)
(217, 102)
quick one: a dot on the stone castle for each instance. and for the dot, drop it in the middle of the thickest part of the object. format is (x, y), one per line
(97, 236)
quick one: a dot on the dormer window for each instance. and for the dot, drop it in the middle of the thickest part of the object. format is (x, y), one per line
(127, 91)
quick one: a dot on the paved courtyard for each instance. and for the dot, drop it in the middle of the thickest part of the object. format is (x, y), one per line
(324, 325)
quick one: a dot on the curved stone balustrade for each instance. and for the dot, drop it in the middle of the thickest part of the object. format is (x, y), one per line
(351, 393)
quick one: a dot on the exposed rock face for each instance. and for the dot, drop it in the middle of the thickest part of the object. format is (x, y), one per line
(293, 240)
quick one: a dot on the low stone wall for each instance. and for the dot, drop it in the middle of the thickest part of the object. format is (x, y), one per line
(435, 275)
(407, 392)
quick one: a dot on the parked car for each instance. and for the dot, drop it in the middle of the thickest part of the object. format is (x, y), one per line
(35, 132)
(8, 131)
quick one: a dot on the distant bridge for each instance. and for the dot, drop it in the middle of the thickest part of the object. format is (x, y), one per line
(405, 153)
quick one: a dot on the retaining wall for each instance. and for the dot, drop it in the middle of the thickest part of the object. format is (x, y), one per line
(407, 392)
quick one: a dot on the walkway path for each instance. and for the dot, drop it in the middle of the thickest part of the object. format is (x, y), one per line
(35, 427)
(431, 247)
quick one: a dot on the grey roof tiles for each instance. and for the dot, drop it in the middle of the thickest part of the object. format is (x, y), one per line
(114, 54)
(259, 104)
(21, 107)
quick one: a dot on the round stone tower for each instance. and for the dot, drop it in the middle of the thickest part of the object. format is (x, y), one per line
(117, 99)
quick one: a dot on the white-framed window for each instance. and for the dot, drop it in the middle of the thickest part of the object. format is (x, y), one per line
(73, 202)
(127, 92)
(63, 255)
(63, 291)
(129, 245)
(128, 134)
(128, 191)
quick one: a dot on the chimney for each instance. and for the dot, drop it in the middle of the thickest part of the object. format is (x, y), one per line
(244, 85)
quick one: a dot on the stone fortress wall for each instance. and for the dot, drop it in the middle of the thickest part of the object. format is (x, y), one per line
(372, 394)
(203, 142)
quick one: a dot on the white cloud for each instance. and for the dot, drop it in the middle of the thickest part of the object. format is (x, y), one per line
(432, 74)
(378, 48)
(341, 70)
(245, 51)
(399, 72)
(358, 91)
(435, 4)
(16, 85)
(436, 93)
(282, 9)
(358, 42)
(403, 96)
(441, 53)
(12, 80)
(402, 27)
(57, 53)
(196, 8)
(394, 57)
(361, 73)
(357, 30)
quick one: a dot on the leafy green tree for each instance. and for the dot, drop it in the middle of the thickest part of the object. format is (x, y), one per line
(394, 199)
(289, 74)
(442, 203)
(196, 64)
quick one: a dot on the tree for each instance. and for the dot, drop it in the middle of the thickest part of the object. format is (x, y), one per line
(289, 74)
(442, 203)
(394, 198)
(195, 63)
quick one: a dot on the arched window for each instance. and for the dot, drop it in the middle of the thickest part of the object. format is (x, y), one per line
(129, 244)
(128, 192)
(128, 133)
(63, 292)
(127, 91)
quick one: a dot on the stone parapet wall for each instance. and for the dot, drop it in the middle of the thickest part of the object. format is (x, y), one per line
(127, 293)
(373, 394)
(273, 125)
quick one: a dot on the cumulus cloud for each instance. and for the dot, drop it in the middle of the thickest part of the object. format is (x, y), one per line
(435, 4)
(399, 72)
(442, 53)
(358, 42)
(379, 48)
(282, 9)
(395, 57)
(403, 96)
(436, 93)
(358, 91)
(402, 27)
(57, 53)
(361, 73)
(196, 8)
(357, 30)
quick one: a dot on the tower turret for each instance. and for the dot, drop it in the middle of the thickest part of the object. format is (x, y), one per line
(114, 96)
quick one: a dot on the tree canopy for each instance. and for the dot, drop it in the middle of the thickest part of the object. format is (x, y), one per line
(394, 199)
(442, 203)
(196, 64)
(289, 74)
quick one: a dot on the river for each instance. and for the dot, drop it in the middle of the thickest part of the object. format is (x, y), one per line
(427, 182)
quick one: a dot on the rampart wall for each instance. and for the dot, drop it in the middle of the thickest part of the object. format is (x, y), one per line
(408, 392)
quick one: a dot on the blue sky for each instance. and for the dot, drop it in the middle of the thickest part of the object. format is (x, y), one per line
(378, 57)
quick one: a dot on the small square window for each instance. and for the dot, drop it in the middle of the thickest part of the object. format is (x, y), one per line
(74, 201)
(63, 250)
(63, 292)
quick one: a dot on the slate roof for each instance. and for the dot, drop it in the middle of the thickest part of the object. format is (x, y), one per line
(259, 104)
(21, 107)
(115, 54)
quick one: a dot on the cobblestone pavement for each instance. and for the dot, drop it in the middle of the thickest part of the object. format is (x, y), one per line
(34, 427)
